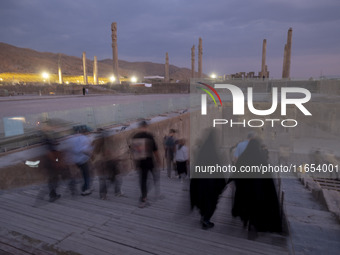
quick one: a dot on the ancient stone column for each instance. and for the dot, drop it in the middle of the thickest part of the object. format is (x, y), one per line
(287, 55)
(193, 61)
(263, 66)
(95, 71)
(84, 68)
(284, 62)
(115, 51)
(166, 76)
(200, 53)
(289, 51)
(60, 73)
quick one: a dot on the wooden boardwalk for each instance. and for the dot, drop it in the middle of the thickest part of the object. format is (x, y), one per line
(87, 225)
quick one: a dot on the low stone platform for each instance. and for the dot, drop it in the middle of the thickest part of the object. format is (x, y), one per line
(313, 228)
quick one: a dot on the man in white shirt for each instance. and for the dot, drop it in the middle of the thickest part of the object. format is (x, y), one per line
(181, 158)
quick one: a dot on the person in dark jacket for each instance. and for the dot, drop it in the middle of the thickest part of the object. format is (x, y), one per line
(169, 146)
(145, 153)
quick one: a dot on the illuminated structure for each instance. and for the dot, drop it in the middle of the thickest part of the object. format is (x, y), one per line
(95, 71)
(60, 73)
(84, 68)
(24, 78)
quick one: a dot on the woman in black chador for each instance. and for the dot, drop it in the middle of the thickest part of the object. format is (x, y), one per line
(256, 200)
(205, 192)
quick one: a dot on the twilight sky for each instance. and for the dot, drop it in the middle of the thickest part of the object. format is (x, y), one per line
(232, 31)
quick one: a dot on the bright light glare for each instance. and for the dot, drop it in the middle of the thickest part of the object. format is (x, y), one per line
(45, 75)
(112, 78)
(19, 118)
(213, 76)
(133, 79)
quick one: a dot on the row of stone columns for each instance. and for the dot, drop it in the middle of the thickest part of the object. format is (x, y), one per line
(264, 69)
(95, 70)
(200, 63)
(200, 53)
(167, 72)
(286, 58)
(95, 63)
(85, 80)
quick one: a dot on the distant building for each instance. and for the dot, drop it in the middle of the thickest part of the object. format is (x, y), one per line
(154, 79)
(20, 78)
(244, 75)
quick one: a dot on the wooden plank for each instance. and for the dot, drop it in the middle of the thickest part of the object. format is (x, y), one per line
(6, 249)
(175, 243)
(65, 215)
(151, 224)
(29, 217)
(68, 209)
(37, 228)
(18, 248)
(88, 225)
(162, 243)
(102, 245)
(35, 235)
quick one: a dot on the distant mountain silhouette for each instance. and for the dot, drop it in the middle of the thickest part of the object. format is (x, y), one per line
(23, 60)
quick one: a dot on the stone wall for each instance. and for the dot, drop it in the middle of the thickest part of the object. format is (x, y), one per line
(157, 88)
(57, 89)
(329, 87)
(20, 175)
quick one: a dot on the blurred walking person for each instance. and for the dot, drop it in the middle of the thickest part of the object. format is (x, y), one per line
(145, 153)
(107, 164)
(78, 153)
(169, 146)
(206, 190)
(54, 162)
(53, 166)
(181, 159)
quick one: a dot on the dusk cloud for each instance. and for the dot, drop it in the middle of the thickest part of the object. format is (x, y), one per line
(232, 31)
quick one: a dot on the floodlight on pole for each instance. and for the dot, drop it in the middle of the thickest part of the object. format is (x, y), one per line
(213, 76)
(133, 79)
(112, 78)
